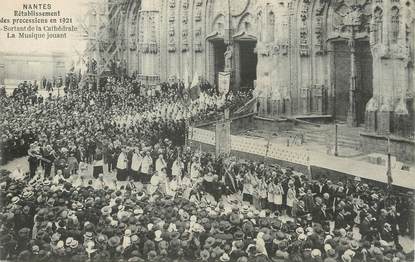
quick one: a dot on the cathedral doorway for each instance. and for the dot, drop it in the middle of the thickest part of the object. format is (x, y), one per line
(219, 49)
(247, 64)
(364, 75)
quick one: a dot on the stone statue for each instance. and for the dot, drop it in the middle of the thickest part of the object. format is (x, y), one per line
(228, 57)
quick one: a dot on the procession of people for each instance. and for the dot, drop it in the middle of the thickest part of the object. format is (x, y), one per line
(113, 178)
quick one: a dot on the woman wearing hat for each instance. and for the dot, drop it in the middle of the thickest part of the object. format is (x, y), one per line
(34, 156)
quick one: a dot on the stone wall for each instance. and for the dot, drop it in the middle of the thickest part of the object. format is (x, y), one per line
(403, 149)
(295, 46)
(16, 67)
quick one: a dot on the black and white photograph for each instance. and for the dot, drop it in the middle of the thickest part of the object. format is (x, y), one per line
(207, 130)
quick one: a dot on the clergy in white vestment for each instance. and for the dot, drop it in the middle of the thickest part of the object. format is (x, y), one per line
(136, 165)
(17, 174)
(177, 169)
(146, 164)
(160, 163)
(154, 183)
(99, 183)
(122, 166)
(163, 180)
(58, 178)
(195, 170)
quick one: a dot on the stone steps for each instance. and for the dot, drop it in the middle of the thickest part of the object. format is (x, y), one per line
(346, 137)
(322, 138)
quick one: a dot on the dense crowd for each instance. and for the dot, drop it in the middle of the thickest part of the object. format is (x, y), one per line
(167, 202)
(83, 120)
(75, 219)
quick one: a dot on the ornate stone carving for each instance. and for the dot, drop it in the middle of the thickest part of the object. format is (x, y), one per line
(245, 24)
(304, 9)
(400, 51)
(199, 2)
(318, 29)
(284, 48)
(228, 57)
(238, 7)
(198, 42)
(185, 4)
(132, 41)
(172, 3)
(377, 27)
(172, 41)
(263, 49)
(184, 19)
(320, 6)
(198, 14)
(153, 46)
(172, 45)
(141, 34)
(304, 47)
(349, 13)
(185, 42)
(172, 18)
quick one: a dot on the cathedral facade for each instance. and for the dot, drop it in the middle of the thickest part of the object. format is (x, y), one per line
(352, 60)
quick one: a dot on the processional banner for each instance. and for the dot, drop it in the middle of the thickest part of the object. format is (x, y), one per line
(223, 137)
(224, 81)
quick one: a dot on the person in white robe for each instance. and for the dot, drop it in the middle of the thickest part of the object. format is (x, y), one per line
(291, 197)
(160, 163)
(154, 184)
(279, 191)
(177, 169)
(163, 180)
(136, 165)
(58, 178)
(146, 164)
(122, 166)
(17, 174)
(186, 186)
(195, 170)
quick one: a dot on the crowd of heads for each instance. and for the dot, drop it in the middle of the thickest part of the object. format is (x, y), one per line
(102, 221)
(230, 209)
(83, 118)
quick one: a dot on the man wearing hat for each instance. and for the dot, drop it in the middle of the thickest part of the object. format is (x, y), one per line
(34, 156)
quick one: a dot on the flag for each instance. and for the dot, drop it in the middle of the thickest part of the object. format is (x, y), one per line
(389, 171)
(194, 87)
(389, 168)
(224, 81)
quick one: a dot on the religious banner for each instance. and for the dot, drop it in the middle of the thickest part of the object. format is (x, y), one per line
(224, 81)
(195, 87)
(223, 137)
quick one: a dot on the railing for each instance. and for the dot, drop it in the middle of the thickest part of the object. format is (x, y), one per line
(253, 146)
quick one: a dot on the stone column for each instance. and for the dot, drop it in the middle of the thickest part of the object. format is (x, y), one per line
(384, 117)
(351, 113)
(371, 115)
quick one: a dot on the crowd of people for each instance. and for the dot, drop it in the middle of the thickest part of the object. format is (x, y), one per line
(83, 120)
(111, 178)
